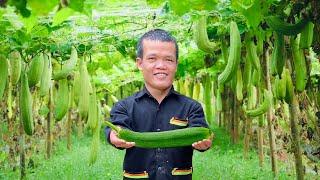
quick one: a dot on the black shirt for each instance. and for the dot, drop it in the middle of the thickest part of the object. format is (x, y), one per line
(142, 113)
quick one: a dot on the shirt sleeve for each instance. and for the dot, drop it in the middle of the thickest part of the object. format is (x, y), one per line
(119, 117)
(197, 119)
(196, 116)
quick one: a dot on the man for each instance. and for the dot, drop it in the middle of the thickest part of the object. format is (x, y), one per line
(157, 108)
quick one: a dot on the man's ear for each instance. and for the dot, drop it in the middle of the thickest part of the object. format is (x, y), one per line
(138, 63)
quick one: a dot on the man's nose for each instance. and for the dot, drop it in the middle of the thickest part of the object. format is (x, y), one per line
(160, 64)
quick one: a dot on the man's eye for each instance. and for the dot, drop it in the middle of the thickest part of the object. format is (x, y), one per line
(170, 60)
(151, 58)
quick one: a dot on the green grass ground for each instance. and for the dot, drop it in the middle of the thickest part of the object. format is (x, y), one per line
(223, 161)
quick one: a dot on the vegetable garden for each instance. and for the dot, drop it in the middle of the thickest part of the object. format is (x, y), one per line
(254, 66)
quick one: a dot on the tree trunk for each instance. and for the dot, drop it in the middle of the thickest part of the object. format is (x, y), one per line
(49, 118)
(237, 119)
(260, 141)
(69, 122)
(21, 143)
(228, 108)
(272, 142)
(294, 112)
(248, 134)
(224, 109)
(233, 108)
(79, 124)
(260, 128)
(22, 153)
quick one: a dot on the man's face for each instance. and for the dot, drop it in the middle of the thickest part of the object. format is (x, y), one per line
(158, 64)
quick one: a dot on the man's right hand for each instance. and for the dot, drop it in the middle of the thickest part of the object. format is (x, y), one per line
(120, 143)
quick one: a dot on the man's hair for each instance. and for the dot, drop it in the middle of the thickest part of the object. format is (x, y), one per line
(156, 35)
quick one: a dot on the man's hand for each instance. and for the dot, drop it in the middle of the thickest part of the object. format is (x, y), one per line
(205, 144)
(202, 145)
(120, 143)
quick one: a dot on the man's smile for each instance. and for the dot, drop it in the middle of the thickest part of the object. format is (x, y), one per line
(161, 74)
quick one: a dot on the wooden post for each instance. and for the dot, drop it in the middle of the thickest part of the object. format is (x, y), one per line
(49, 118)
(260, 141)
(294, 112)
(69, 121)
(21, 143)
(272, 142)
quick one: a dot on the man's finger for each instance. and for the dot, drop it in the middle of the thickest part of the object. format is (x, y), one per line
(196, 145)
(123, 144)
(207, 143)
(202, 146)
(128, 144)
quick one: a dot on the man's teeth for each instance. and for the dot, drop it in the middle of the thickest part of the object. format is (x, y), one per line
(161, 75)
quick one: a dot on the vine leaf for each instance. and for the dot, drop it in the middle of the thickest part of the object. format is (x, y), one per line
(182, 7)
(43, 7)
(29, 22)
(76, 5)
(61, 16)
(253, 10)
(154, 3)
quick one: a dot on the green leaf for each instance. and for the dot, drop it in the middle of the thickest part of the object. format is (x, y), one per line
(179, 7)
(87, 10)
(203, 4)
(29, 22)
(20, 37)
(61, 16)
(154, 3)
(182, 7)
(20, 7)
(43, 7)
(4, 25)
(253, 10)
(76, 5)
(40, 31)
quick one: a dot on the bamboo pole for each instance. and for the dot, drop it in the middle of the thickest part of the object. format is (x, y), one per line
(260, 141)
(294, 112)
(236, 119)
(22, 152)
(248, 124)
(69, 121)
(21, 145)
(270, 116)
(247, 137)
(49, 119)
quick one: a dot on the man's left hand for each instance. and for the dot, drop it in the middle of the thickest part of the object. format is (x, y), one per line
(202, 145)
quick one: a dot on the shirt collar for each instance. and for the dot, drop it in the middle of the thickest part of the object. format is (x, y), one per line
(145, 92)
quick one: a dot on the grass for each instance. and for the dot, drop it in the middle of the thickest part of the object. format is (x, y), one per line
(223, 161)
